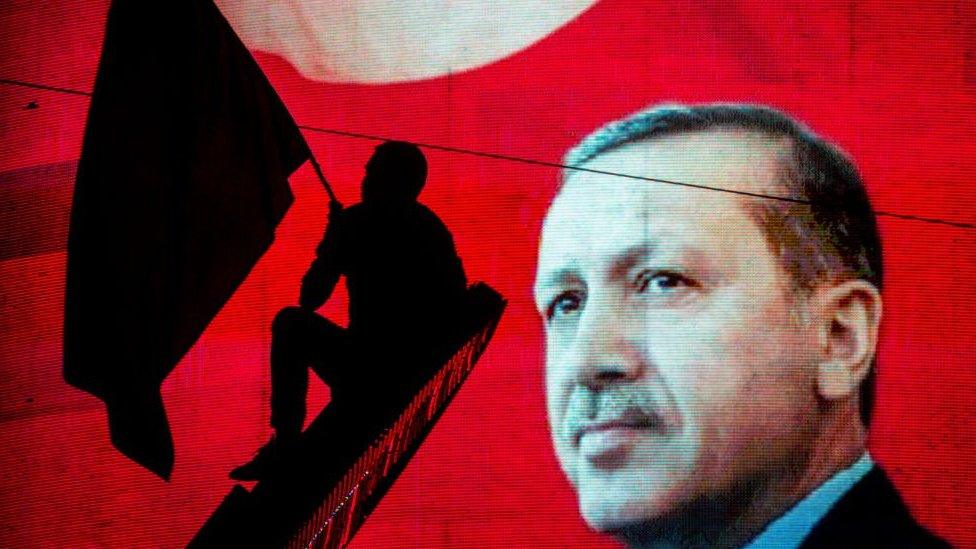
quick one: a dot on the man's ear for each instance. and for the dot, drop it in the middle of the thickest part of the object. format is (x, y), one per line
(848, 332)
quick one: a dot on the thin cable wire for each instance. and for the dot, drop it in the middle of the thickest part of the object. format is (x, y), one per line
(909, 217)
(509, 158)
(43, 87)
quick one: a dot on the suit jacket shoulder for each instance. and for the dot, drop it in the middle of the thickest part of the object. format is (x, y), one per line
(871, 516)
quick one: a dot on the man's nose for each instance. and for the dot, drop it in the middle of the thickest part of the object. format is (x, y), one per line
(608, 345)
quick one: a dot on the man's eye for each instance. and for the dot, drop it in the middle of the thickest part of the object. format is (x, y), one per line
(661, 282)
(565, 303)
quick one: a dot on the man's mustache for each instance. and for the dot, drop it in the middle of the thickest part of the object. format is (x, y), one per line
(623, 404)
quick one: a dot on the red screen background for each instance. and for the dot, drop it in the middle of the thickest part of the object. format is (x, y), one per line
(893, 83)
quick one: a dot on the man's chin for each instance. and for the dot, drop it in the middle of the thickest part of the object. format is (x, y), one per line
(610, 510)
(634, 492)
(641, 522)
(642, 517)
(606, 521)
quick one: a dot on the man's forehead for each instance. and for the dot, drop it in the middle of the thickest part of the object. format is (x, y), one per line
(597, 209)
(737, 158)
(729, 159)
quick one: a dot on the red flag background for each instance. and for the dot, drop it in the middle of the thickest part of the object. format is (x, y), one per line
(892, 83)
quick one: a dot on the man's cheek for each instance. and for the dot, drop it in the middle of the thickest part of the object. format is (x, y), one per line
(556, 402)
(714, 344)
(554, 405)
(559, 383)
(679, 353)
(566, 454)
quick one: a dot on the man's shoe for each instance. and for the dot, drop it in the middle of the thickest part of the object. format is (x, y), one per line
(265, 459)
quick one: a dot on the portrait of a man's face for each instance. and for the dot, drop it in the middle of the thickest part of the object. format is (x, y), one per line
(705, 349)
(677, 360)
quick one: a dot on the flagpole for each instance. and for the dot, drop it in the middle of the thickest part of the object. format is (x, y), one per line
(325, 183)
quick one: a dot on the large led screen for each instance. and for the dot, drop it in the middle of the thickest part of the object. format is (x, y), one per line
(495, 94)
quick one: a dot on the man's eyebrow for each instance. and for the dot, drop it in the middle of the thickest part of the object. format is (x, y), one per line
(557, 278)
(624, 261)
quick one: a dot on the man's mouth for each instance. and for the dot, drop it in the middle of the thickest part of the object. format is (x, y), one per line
(631, 420)
(608, 444)
(609, 420)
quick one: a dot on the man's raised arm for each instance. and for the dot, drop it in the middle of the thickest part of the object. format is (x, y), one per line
(323, 274)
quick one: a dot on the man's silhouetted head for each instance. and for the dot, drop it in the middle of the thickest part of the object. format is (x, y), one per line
(397, 172)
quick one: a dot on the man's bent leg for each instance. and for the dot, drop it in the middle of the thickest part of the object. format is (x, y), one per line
(298, 337)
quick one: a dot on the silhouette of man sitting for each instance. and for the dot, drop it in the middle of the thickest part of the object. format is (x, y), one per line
(405, 284)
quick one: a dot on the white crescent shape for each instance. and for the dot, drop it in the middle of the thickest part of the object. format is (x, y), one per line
(383, 41)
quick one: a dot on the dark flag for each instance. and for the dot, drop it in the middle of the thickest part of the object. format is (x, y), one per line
(181, 183)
